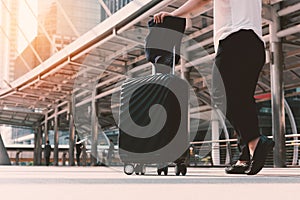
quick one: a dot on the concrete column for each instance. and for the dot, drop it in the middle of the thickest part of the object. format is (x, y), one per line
(35, 148)
(38, 146)
(71, 136)
(277, 92)
(94, 125)
(185, 75)
(84, 155)
(45, 133)
(215, 146)
(292, 120)
(185, 72)
(56, 136)
(46, 128)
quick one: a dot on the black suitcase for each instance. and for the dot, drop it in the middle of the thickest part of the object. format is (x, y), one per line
(153, 123)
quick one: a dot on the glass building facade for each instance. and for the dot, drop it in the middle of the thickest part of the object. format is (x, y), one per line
(113, 6)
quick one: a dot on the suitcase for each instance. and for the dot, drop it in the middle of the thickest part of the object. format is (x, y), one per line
(153, 123)
(153, 117)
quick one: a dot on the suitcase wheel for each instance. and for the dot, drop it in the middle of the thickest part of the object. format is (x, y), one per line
(162, 168)
(140, 168)
(165, 170)
(128, 169)
(159, 171)
(180, 168)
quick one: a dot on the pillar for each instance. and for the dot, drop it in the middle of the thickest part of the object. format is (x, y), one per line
(94, 125)
(277, 92)
(46, 133)
(38, 146)
(71, 136)
(215, 146)
(56, 137)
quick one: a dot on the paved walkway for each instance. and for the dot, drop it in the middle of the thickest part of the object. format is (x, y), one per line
(86, 183)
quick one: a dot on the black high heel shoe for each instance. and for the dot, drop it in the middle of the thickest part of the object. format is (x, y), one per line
(257, 162)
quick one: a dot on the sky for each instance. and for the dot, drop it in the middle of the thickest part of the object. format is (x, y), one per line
(27, 22)
(1, 17)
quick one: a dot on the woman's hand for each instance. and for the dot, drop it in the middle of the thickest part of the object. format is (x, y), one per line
(189, 9)
(159, 17)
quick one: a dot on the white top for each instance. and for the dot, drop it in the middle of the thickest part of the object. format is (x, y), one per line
(233, 15)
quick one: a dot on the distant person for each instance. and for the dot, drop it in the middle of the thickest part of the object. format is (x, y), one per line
(64, 158)
(18, 157)
(47, 153)
(79, 147)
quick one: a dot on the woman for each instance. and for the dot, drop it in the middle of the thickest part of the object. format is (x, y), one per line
(239, 59)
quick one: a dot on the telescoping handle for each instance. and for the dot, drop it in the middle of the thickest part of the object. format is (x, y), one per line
(174, 62)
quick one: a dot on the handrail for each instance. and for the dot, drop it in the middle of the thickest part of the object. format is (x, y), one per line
(287, 143)
(294, 130)
(235, 140)
(228, 140)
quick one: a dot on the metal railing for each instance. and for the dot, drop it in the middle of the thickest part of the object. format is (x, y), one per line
(198, 146)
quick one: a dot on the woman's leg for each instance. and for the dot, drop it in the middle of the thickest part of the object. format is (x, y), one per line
(239, 61)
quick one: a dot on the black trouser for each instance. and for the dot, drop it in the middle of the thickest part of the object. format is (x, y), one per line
(239, 60)
(47, 158)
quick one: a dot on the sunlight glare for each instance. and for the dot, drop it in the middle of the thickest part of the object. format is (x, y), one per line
(27, 22)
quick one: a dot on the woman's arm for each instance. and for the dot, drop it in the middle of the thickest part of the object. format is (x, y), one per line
(188, 10)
